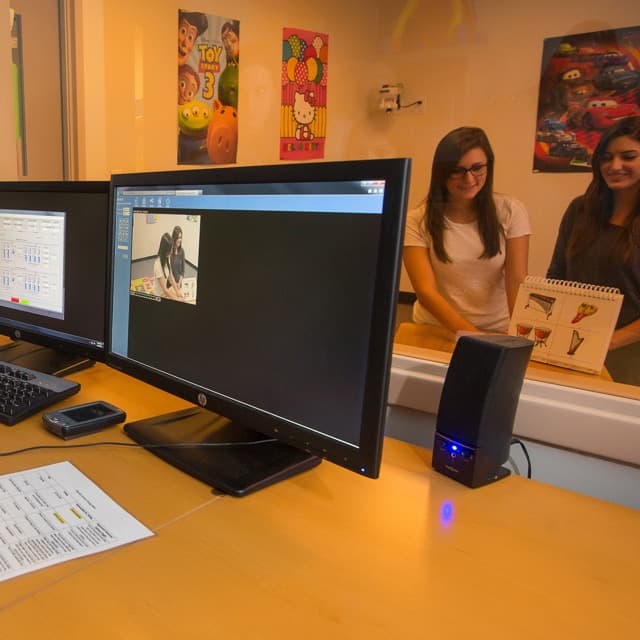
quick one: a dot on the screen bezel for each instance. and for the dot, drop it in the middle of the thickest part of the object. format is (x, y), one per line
(364, 459)
(30, 331)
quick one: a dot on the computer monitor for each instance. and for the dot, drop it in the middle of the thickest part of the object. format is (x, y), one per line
(276, 320)
(53, 243)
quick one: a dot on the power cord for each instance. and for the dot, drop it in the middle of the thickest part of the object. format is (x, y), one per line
(174, 445)
(416, 103)
(526, 454)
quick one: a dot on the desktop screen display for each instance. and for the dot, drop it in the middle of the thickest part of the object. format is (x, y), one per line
(278, 309)
(53, 244)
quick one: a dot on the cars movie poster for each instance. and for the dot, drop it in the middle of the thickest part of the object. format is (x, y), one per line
(303, 111)
(208, 66)
(587, 81)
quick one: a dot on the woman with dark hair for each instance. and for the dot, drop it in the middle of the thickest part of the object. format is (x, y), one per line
(162, 275)
(599, 239)
(177, 257)
(466, 248)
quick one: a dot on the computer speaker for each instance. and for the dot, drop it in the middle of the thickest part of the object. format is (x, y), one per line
(474, 426)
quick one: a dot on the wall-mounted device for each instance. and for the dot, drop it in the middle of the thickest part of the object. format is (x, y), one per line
(477, 408)
(390, 98)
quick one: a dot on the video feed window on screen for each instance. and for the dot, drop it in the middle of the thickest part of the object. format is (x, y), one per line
(281, 299)
(164, 256)
(32, 266)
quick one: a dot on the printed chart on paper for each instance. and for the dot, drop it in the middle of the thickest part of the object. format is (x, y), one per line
(55, 513)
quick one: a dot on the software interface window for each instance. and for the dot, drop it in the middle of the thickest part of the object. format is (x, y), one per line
(262, 256)
(32, 261)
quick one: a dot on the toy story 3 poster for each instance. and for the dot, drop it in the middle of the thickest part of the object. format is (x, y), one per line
(303, 110)
(208, 70)
(588, 81)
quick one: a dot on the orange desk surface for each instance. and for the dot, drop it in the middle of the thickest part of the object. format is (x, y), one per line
(327, 554)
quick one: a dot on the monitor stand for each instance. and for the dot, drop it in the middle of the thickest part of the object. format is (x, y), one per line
(237, 469)
(43, 359)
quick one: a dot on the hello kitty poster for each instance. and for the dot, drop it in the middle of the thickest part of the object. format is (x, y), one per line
(303, 111)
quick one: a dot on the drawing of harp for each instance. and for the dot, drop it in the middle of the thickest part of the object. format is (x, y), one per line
(540, 303)
(576, 341)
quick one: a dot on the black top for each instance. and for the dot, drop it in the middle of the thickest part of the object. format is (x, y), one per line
(177, 264)
(596, 264)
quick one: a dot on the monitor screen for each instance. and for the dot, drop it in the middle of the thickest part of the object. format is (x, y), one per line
(53, 243)
(265, 294)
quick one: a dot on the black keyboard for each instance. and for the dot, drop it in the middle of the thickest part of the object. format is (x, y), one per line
(24, 392)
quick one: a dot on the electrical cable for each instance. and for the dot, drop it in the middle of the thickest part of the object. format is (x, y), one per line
(411, 104)
(174, 445)
(526, 454)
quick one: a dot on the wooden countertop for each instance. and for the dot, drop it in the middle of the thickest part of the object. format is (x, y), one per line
(436, 343)
(326, 554)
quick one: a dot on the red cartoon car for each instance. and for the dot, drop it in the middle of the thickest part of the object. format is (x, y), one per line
(600, 113)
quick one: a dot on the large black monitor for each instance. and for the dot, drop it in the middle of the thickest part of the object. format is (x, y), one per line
(267, 295)
(53, 274)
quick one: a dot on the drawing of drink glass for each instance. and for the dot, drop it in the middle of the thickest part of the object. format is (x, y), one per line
(584, 310)
(523, 330)
(541, 303)
(541, 334)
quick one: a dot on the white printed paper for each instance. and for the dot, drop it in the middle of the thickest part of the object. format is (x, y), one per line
(55, 513)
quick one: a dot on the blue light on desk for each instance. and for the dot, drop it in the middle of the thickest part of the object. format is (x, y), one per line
(446, 513)
(454, 447)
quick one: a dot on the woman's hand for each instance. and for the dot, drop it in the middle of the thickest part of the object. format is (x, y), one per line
(418, 265)
(623, 336)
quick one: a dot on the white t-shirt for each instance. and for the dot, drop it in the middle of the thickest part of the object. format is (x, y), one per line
(158, 272)
(473, 286)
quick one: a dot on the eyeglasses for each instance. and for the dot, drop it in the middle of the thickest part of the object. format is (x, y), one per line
(476, 170)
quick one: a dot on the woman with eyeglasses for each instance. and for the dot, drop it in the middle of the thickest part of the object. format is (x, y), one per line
(466, 248)
(599, 239)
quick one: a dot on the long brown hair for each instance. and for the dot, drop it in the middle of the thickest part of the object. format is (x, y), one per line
(445, 159)
(164, 251)
(598, 202)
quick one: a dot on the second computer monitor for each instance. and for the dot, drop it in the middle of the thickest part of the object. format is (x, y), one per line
(53, 257)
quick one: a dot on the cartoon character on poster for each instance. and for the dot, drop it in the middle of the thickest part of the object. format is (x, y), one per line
(208, 73)
(303, 111)
(588, 81)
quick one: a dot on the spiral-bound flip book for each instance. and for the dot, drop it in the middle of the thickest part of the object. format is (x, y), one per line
(570, 323)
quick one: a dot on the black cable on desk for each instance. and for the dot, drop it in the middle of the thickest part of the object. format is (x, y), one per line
(173, 445)
(526, 454)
